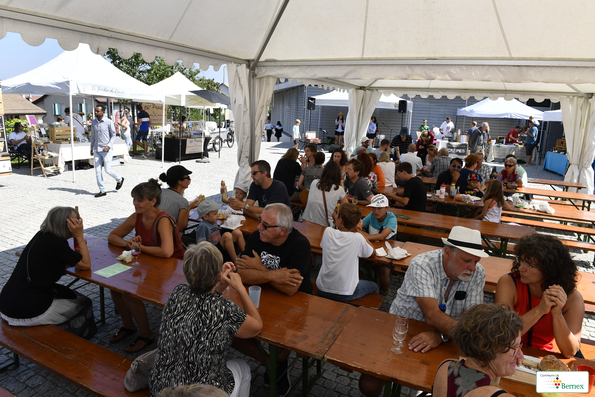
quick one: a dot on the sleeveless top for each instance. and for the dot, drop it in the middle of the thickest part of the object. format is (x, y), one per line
(542, 333)
(494, 214)
(151, 237)
(462, 379)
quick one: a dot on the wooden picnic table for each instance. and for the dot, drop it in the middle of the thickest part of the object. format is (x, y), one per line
(557, 194)
(564, 184)
(364, 346)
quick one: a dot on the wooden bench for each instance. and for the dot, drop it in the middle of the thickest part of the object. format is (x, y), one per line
(5, 393)
(550, 225)
(419, 232)
(91, 367)
(373, 301)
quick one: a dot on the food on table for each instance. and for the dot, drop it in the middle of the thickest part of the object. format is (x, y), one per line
(551, 363)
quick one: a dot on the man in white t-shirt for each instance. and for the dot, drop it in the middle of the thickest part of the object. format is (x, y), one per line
(20, 140)
(78, 124)
(296, 133)
(447, 127)
(411, 158)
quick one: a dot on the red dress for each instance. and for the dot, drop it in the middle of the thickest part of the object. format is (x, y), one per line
(542, 333)
(153, 240)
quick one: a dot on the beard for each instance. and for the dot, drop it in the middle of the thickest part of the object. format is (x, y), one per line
(465, 277)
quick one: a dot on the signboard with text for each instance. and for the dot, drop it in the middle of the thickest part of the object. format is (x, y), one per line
(155, 111)
(194, 145)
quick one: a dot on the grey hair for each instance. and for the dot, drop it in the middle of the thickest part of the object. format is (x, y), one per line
(203, 263)
(284, 215)
(384, 157)
(196, 390)
(452, 249)
(485, 124)
(55, 222)
(512, 160)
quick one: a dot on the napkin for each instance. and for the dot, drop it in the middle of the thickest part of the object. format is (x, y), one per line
(380, 252)
(233, 222)
(397, 253)
(126, 256)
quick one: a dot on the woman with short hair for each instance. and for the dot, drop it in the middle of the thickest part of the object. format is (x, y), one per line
(509, 176)
(198, 327)
(489, 336)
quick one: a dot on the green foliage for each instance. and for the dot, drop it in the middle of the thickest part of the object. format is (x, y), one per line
(10, 125)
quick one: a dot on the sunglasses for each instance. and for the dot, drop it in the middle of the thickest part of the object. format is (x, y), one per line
(509, 165)
(456, 166)
(266, 227)
(254, 172)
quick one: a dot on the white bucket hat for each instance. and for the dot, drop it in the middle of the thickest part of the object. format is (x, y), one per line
(378, 201)
(467, 240)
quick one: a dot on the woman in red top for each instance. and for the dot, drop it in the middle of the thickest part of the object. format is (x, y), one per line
(542, 290)
(157, 235)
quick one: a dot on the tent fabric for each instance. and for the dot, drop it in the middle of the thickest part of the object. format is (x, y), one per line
(337, 98)
(361, 107)
(80, 72)
(500, 108)
(579, 129)
(552, 115)
(177, 90)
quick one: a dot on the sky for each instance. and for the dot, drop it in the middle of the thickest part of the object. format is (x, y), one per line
(19, 57)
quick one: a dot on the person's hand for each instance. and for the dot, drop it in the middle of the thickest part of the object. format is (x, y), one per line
(302, 160)
(360, 226)
(455, 176)
(224, 277)
(245, 262)
(91, 152)
(425, 341)
(75, 227)
(134, 245)
(287, 276)
(232, 279)
(558, 297)
(106, 148)
(545, 305)
(236, 204)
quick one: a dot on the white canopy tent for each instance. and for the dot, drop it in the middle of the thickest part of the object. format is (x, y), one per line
(552, 115)
(500, 108)
(80, 72)
(505, 58)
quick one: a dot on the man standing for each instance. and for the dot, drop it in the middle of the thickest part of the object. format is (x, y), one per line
(447, 127)
(471, 130)
(415, 196)
(424, 127)
(411, 158)
(264, 189)
(144, 121)
(103, 135)
(531, 141)
(479, 138)
(438, 287)
(78, 124)
(269, 129)
(401, 142)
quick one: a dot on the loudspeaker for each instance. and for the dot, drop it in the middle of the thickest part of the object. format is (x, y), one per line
(331, 148)
(311, 103)
(402, 106)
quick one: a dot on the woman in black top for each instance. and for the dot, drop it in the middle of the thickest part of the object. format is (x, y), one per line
(288, 170)
(32, 296)
(278, 131)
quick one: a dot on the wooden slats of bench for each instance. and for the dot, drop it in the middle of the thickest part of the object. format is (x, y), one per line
(372, 301)
(5, 393)
(549, 225)
(419, 232)
(80, 362)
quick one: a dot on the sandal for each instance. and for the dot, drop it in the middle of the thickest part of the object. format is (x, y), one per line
(122, 334)
(133, 347)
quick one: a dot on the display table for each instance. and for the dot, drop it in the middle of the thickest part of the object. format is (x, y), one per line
(82, 151)
(555, 162)
(194, 148)
(499, 151)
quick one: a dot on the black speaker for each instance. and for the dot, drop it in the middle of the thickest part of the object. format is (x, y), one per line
(331, 148)
(402, 106)
(311, 103)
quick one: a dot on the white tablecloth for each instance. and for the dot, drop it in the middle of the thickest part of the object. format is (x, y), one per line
(82, 151)
(500, 151)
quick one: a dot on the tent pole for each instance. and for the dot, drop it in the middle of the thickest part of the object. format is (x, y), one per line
(71, 132)
(163, 134)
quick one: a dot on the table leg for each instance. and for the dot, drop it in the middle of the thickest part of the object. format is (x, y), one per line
(503, 247)
(271, 367)
(14, 364)
(102, 304)
(306, 381)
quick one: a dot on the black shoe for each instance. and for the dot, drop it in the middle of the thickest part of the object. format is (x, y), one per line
(283, 383)
(119, 184)
(101, 194)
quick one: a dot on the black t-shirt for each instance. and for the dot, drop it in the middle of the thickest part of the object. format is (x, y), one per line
(49, 258)
(445, 178)
(402, 145)
(294, 253)
(286, 171)
(415, 190)
(276, 193)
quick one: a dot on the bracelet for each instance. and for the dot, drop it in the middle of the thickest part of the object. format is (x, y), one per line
(559, 314)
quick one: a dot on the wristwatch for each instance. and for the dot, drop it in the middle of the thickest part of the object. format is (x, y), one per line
(247, 207)
(443, 337)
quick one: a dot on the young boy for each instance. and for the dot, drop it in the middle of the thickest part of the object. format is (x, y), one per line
(208, 230)
(338, 278)
(381, 225)
(414, 197)
(473, 185)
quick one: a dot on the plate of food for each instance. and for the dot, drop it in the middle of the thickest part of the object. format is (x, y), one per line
(527, 371)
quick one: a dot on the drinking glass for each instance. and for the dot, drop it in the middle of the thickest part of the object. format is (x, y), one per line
(399, 334)
(135, 253)
(354, 200)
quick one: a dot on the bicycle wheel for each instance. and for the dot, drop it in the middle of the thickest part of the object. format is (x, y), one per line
(230, 139)
(217, 144)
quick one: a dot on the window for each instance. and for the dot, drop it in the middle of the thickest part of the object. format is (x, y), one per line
(82, 108)
(57, 109)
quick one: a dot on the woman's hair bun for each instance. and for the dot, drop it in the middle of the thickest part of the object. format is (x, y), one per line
(163, 177)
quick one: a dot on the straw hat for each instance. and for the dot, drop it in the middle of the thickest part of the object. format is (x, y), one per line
(467, 240)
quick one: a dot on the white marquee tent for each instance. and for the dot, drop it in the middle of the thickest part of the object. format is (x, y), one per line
(552, 115)
(274, 39)
(500, 108)
(337, 98)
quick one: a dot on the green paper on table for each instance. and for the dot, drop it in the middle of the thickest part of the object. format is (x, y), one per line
(402, 216)
(112, 270)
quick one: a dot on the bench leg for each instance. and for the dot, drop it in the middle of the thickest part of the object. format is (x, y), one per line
(14, 364)
(308, 382)
(102, 304)
(271, 367)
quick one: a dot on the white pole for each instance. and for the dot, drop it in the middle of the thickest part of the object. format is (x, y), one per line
(71, 133)
(163, 135)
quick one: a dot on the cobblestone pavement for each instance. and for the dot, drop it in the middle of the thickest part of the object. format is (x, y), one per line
(27, 200)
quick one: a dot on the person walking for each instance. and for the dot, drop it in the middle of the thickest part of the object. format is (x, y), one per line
(103, 135)
(144, 122)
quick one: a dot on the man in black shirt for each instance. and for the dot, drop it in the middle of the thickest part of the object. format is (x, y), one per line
(451, 175)
(401, 142)
(414, 197)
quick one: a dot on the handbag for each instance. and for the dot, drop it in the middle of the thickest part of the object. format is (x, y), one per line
(137, 377)
(325, 209)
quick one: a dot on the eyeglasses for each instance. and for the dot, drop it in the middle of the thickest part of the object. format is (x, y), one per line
(516, 349)
(509, 165)
(186, 177)
(520, 262)
(266, 227)
(254, 172)
(456, 166)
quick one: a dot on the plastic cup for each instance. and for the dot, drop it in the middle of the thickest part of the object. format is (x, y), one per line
(591, 372)
(254, 292)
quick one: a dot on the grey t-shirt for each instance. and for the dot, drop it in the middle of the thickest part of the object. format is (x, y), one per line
(360, 189)
(310, 173)
(172, 202)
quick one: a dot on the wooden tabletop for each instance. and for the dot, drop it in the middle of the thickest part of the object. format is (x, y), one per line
(364, 346)
(553, 193)
(551, 182)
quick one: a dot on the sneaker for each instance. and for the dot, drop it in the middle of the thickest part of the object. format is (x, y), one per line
(142, 156)
(119, 184)
(283, 384)
(101, 194)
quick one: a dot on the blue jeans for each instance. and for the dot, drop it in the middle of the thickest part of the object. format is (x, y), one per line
(128, 140)
(364, 287)
(104, 159)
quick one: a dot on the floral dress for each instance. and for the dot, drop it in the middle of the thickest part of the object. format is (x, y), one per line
(462, 379)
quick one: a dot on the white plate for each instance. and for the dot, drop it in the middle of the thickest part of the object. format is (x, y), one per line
(527, 370)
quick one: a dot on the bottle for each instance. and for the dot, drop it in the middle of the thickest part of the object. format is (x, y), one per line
(224, 196)
(74, 240)
(442, 190)
(453, 189)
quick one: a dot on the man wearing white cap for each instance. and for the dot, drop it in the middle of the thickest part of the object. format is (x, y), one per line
(438, 287)
(365, 144)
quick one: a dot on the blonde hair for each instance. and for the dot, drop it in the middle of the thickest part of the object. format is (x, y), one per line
(297, 121)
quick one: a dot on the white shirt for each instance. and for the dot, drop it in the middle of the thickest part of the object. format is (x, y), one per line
(412, 159)
(339, 273)
(446, 128)
(16, 136)
(314, 211)
(388, 169)
(296, 132)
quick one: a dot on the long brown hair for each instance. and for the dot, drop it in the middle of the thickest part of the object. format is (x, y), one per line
(367, 162)
(291, 154)
(494, 192)
(331, 176)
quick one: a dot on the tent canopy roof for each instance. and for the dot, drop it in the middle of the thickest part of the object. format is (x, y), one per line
(503, 56)
(337, 98)
(176, 89)
(500, 108)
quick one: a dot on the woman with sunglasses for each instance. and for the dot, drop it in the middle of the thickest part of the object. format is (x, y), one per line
(508, 176)
(541, 288)
(172, 200)
(489, 336)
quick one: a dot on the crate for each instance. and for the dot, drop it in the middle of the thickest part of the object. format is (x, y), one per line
(561, 143)
(60, 133)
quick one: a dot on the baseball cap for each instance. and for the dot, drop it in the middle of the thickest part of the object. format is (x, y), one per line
(473, 177)
(364, 139)
(242, 186)
(207, 206)
(378, 201)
